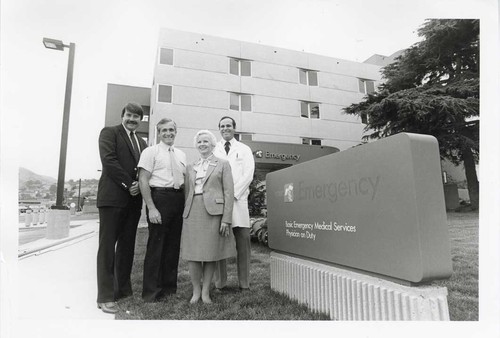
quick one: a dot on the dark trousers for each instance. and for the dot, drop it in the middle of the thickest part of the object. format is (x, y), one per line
(117, 231)
(162, 252)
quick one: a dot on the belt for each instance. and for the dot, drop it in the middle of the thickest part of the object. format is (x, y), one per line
(167, 189)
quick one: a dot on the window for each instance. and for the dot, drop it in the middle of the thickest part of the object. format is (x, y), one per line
(240, 102)
(166, 56)
(243, 137)
(240, 67)
(164, 94)
(145, 117)
(309, 110)
(311, 141)
(308, 77)
(366, 86)
(364, 118)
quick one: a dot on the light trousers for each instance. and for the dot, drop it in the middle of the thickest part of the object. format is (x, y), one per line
(243, 248)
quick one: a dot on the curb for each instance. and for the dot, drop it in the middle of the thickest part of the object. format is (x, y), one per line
(29, 252)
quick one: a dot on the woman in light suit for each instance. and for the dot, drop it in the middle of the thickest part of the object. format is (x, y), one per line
(206, 235)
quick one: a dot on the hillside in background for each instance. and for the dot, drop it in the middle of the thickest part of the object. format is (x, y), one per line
(26, 175)
(33, 186)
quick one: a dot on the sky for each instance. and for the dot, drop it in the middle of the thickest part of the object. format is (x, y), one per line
(116, 42)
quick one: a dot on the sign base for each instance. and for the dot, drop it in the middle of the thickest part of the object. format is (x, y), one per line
(57, 224)
(348, 295)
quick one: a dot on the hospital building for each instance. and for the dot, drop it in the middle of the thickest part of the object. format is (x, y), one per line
(287, 104)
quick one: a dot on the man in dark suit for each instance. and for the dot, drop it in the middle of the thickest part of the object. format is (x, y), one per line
(119, 202)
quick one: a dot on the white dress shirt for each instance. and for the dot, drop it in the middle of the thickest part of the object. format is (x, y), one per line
(135, 136)
(156, 160)
(200, 168)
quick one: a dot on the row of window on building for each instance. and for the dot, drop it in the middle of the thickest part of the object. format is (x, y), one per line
(242, 67)
(305, 140)
(243, 102)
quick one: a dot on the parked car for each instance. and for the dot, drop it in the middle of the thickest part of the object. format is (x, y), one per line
(23, 209)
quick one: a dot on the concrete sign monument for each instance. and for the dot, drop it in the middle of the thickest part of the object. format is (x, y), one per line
(377, 208)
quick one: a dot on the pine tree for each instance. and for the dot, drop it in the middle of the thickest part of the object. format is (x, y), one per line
(433, 88)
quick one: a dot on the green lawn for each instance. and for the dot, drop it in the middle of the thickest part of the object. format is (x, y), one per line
(258, 304)
(261, 303)
(463, 295)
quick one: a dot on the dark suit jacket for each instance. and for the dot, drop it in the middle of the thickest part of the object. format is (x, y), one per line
(119, 168)
(218, 189)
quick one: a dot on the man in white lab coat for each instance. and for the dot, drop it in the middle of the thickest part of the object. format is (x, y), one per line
(240, 158)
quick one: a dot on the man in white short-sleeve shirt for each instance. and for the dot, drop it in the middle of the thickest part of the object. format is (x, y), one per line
(161, 180)
(240, 158)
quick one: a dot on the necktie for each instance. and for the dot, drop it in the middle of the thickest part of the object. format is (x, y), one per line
(227, 145)
(176, 172)
(134, 144)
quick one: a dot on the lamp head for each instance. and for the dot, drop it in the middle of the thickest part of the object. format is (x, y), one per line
(53, 44)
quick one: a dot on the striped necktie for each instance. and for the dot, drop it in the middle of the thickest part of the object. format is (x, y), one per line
(137, 153)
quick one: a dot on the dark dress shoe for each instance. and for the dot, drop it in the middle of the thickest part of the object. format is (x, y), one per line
(122, 296)
(109, 307)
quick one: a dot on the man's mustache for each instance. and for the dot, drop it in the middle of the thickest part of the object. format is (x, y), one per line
(132, 122)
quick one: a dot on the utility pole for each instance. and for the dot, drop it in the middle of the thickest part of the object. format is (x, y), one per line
(79, 188)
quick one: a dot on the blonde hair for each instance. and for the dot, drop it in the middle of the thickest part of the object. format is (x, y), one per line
(211, 137)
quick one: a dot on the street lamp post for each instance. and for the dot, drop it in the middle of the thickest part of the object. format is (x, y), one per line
(59, 45)
(60, 229)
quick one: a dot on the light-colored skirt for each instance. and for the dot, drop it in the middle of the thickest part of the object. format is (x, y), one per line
(201, 241)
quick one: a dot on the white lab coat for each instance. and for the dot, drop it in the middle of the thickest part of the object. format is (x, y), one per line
(240, 158)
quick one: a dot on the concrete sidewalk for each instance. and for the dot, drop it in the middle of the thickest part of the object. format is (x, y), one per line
(78, 228)
(57, 278)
